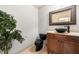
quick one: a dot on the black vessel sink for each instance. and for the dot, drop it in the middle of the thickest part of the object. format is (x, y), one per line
(61, 30)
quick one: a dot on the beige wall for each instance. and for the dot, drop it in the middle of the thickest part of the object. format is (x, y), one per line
(44, 18)
(27, 22)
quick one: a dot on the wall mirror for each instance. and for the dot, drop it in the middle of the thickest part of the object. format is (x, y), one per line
(64, 16)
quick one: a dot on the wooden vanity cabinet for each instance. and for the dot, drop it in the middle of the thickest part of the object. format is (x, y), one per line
(62, 44)
(71, 45)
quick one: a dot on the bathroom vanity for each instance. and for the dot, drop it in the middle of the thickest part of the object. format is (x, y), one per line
(62, 43)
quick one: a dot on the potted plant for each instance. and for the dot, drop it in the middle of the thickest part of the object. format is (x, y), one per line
(8, 32)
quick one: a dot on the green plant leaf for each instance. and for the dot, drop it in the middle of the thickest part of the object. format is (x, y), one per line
(8, 32)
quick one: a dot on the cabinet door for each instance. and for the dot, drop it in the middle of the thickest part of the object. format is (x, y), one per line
(53, 45)
(71, 45)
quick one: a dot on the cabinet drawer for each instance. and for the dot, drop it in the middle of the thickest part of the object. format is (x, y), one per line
(56, 36)
(72, 39)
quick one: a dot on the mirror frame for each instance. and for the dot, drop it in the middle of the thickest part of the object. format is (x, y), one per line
(73, 16)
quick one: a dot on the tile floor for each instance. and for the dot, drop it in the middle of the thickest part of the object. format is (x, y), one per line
(31, 50)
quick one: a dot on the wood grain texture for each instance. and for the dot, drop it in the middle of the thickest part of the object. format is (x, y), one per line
(62, 44)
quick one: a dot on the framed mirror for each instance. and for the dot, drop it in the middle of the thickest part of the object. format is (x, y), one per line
(64, 16)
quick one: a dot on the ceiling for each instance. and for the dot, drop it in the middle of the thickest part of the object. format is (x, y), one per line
(39, 6)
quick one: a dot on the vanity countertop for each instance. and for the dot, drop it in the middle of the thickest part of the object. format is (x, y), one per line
(71, 33)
